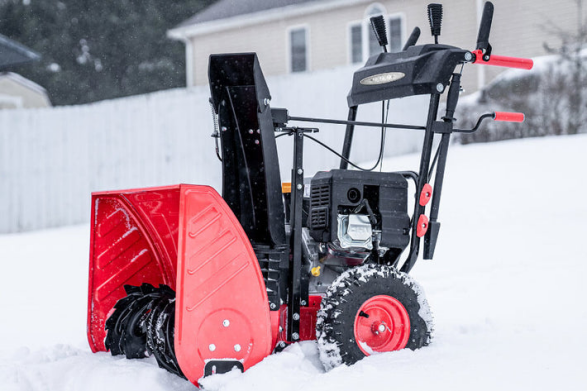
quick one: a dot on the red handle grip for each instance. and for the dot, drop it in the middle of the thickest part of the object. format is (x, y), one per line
(503, 61)
(508, 116)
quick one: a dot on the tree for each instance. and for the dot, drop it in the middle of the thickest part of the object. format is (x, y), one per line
(570, 50)
(94, 50)
(552, 95)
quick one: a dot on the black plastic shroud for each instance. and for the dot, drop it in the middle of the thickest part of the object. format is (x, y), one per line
(343, 191)
(251, 175)
(252, 188)
(420, 70)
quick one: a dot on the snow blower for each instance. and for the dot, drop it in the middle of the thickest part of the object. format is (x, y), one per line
(208, 283)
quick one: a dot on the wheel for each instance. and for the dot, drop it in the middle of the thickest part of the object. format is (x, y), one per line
(371, 309)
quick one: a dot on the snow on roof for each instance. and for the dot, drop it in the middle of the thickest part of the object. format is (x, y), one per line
(223, 9)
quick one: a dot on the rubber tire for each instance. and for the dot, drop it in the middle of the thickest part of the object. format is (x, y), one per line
(336, 317)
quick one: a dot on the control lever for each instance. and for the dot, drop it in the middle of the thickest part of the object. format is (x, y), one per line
(379, 28)
(435, 15)
(484, 30)
(412, 40)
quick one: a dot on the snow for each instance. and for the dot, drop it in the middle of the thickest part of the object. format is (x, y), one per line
(424, 309)
(507, 289)
(365, 347)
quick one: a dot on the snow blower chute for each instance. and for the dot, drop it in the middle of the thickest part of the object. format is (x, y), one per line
(208, 283)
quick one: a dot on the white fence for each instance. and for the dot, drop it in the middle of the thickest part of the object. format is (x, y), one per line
(52, 159)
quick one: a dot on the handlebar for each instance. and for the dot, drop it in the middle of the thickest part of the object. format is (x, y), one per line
(496, 116)
(502, 61)
(483, 52)
(509, 116)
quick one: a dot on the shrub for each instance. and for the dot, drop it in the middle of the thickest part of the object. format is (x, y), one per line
(552, 96)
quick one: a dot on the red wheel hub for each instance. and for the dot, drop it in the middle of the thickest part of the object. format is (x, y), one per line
(381, 324)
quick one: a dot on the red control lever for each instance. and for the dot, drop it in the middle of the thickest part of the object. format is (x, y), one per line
(503, 61)
(508, 116)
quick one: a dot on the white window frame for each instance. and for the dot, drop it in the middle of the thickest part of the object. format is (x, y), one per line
(366, 30)
(306, 28)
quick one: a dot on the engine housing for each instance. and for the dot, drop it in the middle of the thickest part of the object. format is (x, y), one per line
(342, 192)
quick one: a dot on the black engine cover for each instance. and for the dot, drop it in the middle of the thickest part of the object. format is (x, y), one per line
(342, 191)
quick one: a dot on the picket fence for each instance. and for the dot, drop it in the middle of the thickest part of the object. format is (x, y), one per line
(52, 159)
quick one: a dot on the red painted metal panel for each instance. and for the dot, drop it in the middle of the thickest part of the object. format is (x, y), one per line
(222, 310)
(307, 319)
(133, 241)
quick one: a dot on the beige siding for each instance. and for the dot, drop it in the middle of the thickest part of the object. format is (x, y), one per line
(520, 28)
(27, 97)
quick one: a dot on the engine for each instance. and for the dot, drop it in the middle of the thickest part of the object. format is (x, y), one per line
(355, 215)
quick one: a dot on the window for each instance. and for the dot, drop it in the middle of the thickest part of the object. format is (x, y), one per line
(373, 44)
(363, 42)
(395, 34)
(298, 49)
(356, 47)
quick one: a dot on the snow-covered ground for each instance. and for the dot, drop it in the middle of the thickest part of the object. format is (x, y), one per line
(507, 288)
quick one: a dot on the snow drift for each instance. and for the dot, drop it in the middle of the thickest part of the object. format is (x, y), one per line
(507, 289)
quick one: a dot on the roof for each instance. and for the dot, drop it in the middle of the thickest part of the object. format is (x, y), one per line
(13, 53)
(224, 9)
(229, 14)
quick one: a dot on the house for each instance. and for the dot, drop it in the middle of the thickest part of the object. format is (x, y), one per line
(17, 92)
(292, 36)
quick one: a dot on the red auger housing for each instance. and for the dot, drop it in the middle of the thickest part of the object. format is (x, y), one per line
(208, 283)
